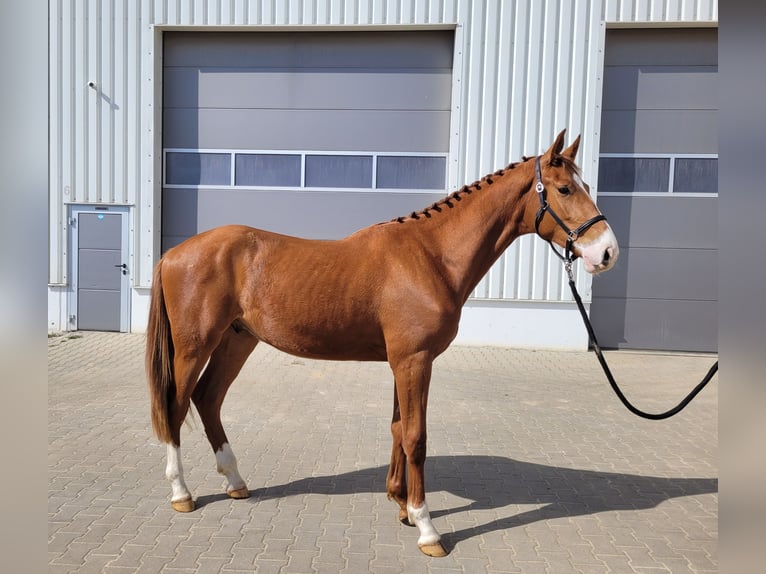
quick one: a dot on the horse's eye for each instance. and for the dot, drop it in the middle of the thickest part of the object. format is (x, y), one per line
(564, 190)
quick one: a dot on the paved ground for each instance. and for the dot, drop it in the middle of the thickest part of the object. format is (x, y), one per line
(533, 467)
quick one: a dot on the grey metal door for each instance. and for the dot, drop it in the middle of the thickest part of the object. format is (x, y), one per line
(101, 272)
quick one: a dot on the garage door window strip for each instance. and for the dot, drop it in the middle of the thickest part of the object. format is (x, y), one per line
(291, 170)
(690, 175)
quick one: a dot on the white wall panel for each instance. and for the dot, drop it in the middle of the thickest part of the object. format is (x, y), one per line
(58, 129)
(519, 90)
(660, 11)
(95, 140)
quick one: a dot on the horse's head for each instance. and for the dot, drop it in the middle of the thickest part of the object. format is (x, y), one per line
(564, 212)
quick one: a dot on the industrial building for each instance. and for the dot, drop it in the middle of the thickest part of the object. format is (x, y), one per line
(317, 118)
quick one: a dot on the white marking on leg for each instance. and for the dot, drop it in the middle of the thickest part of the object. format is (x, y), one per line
(227, 466)
(174, 472)
(421, 518)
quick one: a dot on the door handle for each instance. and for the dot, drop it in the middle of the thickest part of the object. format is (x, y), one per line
(124, 268)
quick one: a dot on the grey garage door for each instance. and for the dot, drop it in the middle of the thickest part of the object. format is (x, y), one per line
(658, 184)
(313, 134)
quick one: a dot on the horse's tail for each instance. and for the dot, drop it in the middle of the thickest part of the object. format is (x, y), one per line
(159, 358)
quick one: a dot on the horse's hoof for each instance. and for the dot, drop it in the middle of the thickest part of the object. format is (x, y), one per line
(435, 550)
(404, 519)
(185, 505)
(239, 493)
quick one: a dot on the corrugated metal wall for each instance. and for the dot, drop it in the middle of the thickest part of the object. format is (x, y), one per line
(528, 72)
(523, 71)
(660, 11)
(96, 132)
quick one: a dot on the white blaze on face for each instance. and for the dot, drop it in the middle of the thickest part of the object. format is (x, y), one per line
(600, 254)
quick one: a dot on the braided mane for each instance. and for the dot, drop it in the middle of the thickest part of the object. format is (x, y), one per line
(456, 196)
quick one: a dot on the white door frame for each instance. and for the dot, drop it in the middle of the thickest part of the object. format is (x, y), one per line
(74, 230)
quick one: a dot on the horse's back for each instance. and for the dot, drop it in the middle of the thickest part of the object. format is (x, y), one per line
(228, 239)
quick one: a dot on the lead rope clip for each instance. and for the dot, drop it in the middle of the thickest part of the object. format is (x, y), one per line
(568, 267)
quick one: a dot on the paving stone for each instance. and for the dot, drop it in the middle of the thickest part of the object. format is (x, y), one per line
(211, 565)
(96, 562)
(75, 554)
(592, 568)
(110, 569)
(533, 466)
(300, 562)
(167, 545)
(131, 556)
(533, 567)
(112, 544)
(151, 564)
(219, 546)
(60, 541)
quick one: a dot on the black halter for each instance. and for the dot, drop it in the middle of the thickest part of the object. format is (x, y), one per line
(572, 235)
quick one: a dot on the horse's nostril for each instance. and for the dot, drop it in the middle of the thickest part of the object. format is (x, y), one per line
(607, 256)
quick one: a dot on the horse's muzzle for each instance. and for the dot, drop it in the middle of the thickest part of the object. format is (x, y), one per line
(599, 255)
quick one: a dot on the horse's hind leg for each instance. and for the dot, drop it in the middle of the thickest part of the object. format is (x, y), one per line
(396, 481)
(181, 499)
(187, 371)
(224, 366)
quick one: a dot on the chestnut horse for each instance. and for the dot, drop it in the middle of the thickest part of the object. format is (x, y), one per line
(390, 292)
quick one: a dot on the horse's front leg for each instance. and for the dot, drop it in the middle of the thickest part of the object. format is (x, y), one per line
(412, 376)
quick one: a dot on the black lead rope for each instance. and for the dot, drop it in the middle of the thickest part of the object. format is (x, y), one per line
(652, 416)
(567, 258)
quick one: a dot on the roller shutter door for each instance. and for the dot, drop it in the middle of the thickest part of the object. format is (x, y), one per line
(658, 186)
(314, 134)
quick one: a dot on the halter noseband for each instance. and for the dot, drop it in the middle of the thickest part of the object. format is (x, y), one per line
(572, 235)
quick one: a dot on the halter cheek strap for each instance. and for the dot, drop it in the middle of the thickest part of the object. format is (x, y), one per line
(572, 234)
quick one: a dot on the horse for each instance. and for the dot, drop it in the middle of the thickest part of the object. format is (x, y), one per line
(391, 292)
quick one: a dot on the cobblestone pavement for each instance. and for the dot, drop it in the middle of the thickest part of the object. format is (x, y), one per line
(534, 466)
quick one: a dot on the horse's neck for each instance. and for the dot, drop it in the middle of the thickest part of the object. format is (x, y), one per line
(481, 227)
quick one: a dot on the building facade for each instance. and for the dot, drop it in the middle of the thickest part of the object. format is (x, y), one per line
(316, 118)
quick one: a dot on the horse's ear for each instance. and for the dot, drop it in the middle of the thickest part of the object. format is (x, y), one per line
(571, 151)
(555, 150)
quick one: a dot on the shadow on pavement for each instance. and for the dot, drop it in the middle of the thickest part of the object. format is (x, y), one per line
(493, 482)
